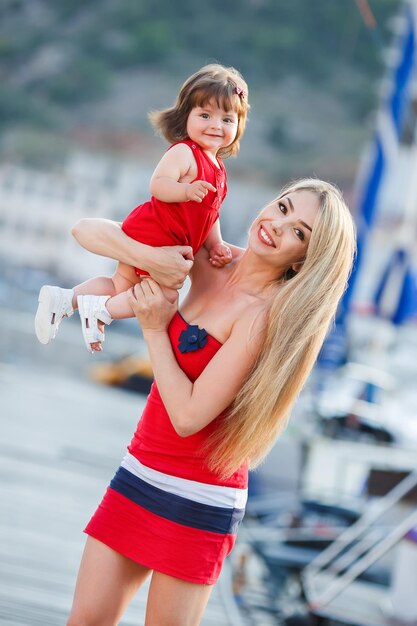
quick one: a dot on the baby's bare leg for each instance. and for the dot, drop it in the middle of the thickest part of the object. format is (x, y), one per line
(123, 278)
(116, 287)
(120, 309)
(118, 305)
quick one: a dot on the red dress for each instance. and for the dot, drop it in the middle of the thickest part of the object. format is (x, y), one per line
(164, 507)
(158, 223)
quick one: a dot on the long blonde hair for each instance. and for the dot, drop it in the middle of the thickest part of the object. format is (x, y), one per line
(298, 319)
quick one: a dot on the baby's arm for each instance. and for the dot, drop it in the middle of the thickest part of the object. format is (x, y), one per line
(167, 182)
(220, 253)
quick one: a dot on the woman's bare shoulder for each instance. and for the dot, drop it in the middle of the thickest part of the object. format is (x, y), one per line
(250, 326)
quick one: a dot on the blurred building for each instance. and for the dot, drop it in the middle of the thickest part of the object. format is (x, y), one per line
(38, 209)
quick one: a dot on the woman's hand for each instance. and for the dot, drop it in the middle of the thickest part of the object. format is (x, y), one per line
(152, 308)
(170, 265)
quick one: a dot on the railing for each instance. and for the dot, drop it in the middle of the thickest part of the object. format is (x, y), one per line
(356, 549)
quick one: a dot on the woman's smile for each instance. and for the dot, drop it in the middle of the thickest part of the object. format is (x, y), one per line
(265, 238)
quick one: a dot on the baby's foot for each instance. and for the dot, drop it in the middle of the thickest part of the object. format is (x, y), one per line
(54, 304)
(93, 315)
(97, 345)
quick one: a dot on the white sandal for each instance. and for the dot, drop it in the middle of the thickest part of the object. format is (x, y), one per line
(92, 309)
(54, 304)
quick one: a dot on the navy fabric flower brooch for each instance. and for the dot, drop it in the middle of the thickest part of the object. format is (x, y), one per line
(192, 338)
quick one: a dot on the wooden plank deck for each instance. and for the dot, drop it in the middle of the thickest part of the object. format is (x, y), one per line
(61, 440)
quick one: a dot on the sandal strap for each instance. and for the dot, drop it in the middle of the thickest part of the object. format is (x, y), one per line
(92, 309)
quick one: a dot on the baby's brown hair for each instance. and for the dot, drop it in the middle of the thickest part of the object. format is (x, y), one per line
(223, 84)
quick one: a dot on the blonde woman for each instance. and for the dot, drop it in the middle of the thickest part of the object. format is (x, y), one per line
(228, 368)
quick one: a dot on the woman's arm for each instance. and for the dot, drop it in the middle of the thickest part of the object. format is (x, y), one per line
(168, 265)
(191, 406)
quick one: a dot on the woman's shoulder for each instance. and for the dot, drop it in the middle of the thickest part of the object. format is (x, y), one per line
(251, 323)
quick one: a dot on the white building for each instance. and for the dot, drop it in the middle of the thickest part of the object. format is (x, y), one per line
(38, 209)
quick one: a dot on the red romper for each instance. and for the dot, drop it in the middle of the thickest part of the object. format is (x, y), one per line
(165, 508)
(158, 223)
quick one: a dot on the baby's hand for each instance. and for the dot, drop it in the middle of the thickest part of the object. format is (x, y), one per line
(220, 255)
(198, 190)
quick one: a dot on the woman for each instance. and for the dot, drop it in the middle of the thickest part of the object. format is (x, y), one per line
(228, 369)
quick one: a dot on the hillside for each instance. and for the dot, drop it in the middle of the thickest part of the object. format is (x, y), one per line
(93, 68)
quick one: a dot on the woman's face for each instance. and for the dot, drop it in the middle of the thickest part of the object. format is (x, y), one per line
(281, 232)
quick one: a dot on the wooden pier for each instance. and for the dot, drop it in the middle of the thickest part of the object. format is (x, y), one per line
(62, 438)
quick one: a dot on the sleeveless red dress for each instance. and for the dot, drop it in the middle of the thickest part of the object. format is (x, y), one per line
(165, 508)
(158, 223)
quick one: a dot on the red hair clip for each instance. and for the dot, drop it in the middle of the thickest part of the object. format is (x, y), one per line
(240, 92)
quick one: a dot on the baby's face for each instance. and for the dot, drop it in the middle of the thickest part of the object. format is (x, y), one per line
(211, 127)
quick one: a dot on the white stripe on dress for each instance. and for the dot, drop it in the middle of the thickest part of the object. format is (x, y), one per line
(214, 495)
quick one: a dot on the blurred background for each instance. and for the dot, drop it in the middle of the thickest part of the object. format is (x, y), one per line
(333, 95)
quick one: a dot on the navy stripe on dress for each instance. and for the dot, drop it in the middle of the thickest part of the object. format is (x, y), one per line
(181, 510)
